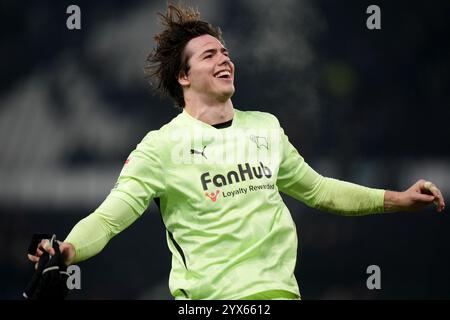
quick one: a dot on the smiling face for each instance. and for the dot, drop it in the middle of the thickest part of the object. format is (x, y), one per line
(210, 75)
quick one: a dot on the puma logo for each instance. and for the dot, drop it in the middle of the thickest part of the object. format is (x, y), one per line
(193, 151)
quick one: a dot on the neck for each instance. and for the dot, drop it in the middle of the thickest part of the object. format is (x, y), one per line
(211, 113)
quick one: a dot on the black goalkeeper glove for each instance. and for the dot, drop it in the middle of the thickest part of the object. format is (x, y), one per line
(49, 280)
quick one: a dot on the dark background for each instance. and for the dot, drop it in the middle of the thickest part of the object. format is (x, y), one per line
(367, 106)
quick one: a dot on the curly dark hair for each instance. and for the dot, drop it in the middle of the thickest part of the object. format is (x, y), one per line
(165, 63)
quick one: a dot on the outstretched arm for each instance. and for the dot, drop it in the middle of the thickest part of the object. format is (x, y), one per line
(297, 179)
(140, 180)
(91, 234)
(347, 198)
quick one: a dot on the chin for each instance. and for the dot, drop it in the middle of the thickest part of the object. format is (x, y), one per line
(228, 93)
(225, 96)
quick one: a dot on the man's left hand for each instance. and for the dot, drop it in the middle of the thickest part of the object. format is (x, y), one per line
(419, 195)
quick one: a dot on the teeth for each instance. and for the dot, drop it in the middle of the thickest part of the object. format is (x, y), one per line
(223, 73)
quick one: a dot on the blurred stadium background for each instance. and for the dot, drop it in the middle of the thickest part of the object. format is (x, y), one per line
(371, 107)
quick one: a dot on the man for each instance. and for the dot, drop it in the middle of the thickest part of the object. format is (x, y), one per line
(215, 173)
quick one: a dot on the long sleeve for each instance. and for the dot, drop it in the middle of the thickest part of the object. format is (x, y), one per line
(297, 179)
(91, 234)
(140, 180)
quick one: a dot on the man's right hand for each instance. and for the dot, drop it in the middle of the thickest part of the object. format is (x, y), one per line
(67, 251)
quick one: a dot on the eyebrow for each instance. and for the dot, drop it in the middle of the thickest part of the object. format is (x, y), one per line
(214, 50)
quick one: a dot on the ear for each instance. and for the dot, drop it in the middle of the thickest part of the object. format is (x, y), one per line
(183, 79)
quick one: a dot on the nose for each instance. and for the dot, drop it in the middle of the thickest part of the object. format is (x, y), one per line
(224, 59)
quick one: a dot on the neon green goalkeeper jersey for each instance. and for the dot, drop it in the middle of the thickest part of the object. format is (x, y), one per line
(218, 190)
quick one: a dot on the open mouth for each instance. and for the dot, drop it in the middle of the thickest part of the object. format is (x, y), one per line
(224, 74)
